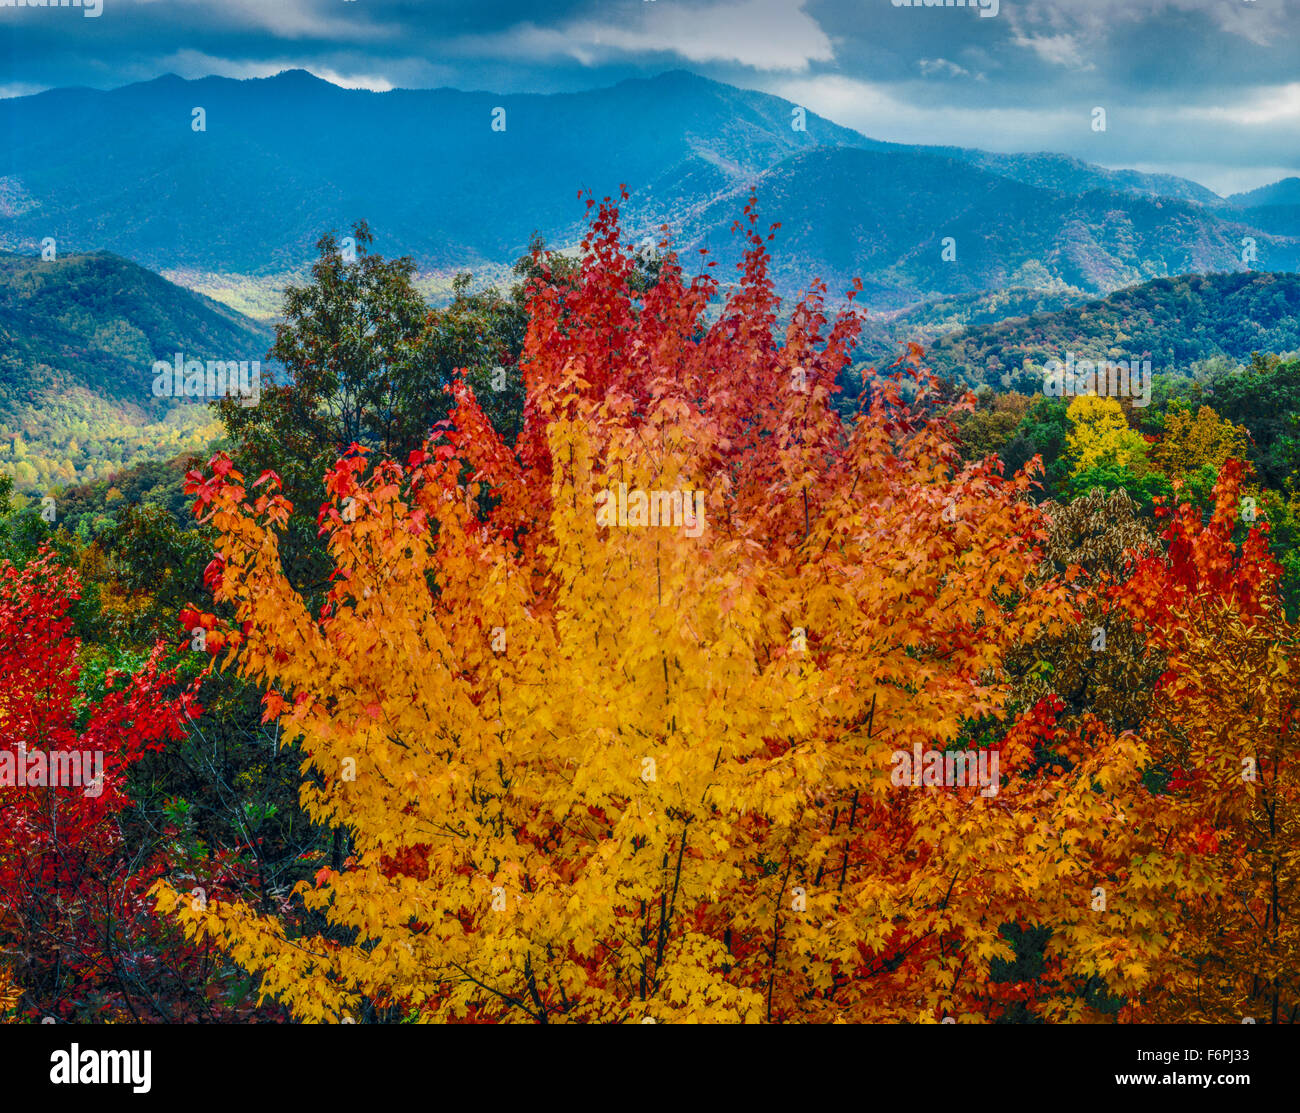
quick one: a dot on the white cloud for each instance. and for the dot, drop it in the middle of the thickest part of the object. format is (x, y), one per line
(769, 35)
(1056, 50)
(929, 67)
(1276, 104)
(372, 81)
(20, 89)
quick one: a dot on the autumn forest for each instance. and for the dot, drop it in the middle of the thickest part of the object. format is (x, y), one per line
(623, 647)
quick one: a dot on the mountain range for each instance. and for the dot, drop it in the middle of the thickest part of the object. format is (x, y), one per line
(461, 180)
(996, 262)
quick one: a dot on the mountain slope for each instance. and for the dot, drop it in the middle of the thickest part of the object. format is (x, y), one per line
(1285, 192)
(1074, 176)
(78, 339)
(884, 216)
(1171, 321)
(285, 158)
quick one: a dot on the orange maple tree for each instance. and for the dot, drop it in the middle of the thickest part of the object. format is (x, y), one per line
(613, 715)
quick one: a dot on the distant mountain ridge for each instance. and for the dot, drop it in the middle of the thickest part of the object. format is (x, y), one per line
(1285, 192)
(846, 212)
(285, 158)
(1067, 174)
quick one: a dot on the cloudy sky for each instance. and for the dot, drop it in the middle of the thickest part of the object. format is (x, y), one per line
(1209, 89)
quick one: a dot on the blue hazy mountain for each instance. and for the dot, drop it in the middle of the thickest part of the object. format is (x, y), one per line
(283, 159)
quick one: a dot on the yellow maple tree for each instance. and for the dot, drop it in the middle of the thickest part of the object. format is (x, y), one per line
(613, 716)
(1223, 735)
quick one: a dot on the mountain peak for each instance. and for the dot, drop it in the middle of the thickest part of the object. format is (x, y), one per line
(298, 77)
(164, 80)
(672, 79)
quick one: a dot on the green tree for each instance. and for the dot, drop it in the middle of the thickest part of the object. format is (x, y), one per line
(1042, 432)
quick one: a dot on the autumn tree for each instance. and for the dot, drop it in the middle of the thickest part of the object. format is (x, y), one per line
(1223, 734)
(1042, 432)
(611, 716)
(1100, 434)
(72, 903)
(1099, 664)
(995, 419)
(1191, 443)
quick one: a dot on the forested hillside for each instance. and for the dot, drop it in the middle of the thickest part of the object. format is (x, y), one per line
(1173, 322)
(79, 335)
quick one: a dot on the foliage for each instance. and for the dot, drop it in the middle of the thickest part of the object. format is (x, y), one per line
(594, 773)
(1190, 443)
(1175, 322)
(1042, 433)
(71, 901)
(996, 418)
(81, 334)
(1224, 727)
(1265, 398)
(473, 750)
(1100, 435)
